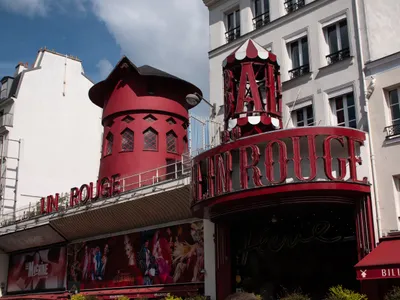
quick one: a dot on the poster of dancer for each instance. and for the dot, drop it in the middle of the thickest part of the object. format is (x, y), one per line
(40, 270)
(162, 256)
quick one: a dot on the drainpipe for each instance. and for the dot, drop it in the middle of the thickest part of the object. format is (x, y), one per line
(371, 146)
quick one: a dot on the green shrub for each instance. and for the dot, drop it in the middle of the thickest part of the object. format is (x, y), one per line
(172, 297)
(295, 296)
(123, 298)
(82, 297)
(394, 294)
(340, 293)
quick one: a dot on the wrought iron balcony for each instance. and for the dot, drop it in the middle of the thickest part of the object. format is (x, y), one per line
(261, 20)
(300, 71)
(392, 131)
(293, 5)
(338, 56)
(232, 34)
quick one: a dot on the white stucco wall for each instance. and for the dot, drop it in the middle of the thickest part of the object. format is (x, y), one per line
(386, 151)
(210, 288)
(4, 258)
(59, 127)
(381, 27)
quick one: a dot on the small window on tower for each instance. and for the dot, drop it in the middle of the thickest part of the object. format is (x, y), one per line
(127, 140)
(171, 142)
(127, 119)
(171, 121)
(150, 137)
(150, 118)
(109, 144)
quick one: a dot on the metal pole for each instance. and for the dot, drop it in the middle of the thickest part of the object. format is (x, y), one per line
(16, 179)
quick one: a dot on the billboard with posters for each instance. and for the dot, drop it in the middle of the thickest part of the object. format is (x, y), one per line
(161, 256)
(37, 270)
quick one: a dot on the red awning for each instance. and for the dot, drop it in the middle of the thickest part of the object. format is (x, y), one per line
(44, 296)
(147, 292)
(382, 263)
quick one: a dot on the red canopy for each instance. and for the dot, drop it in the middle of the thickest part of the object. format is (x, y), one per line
(382, 263)
(44, 296)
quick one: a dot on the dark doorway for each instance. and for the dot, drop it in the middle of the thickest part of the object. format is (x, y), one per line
(307, 248)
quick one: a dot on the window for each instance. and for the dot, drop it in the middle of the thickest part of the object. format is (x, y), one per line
(345, 110)
(171, 121)
(171, 142)
(298, 52)
(233, 26)
(127, 140)
(304, 116)
(150, 139)
(109, 143)
(337, 38)
(127, 119)
(394, 105)
(150, 119)
(261, 13)
(293, 5)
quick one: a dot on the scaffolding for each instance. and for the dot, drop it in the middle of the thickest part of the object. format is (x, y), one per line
(9, 169)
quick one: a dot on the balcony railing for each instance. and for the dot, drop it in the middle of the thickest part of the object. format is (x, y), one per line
(261, 20)
(392, 131)
(300, 71)
(177, 170)
(232, 34)
(293, 5)
(6, 120)
(338, 56)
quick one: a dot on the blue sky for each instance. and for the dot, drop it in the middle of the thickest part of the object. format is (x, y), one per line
(171, 35)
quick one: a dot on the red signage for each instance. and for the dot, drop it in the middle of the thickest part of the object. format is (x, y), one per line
(272, 158)
(39, 270)
(378, 273)
(105, 188)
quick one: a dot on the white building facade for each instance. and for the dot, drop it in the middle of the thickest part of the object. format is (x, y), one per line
(50, 131)
(328, 50)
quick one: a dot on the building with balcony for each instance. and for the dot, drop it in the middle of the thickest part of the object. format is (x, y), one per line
(338, 67)
(43, 108)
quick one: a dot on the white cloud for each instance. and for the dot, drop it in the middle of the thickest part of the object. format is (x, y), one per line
(26, 7)
(170, 35)
(104, 67)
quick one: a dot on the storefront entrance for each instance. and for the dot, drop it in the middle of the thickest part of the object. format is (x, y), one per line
(307, 247)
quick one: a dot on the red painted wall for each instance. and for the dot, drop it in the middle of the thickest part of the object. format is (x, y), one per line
(138, 97)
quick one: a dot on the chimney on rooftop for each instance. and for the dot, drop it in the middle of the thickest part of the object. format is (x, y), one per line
(20, 67)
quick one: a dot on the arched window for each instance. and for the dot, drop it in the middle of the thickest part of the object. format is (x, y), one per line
(172, 142)
(127, 140)
(109, 144)
(150, 137)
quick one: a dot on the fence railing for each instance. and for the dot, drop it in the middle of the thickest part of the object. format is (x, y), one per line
(172, 171)
(261, 20)
(338, 56)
